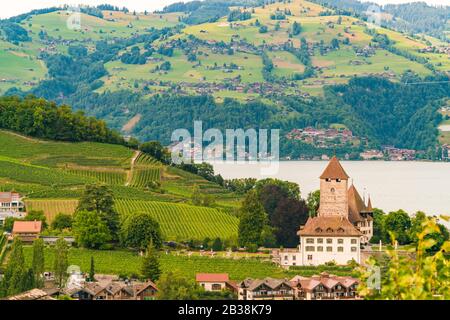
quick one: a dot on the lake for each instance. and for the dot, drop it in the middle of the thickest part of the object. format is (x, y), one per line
(392, 185)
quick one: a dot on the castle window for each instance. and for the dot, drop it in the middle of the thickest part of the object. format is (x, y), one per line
(338, 180)
(354, 241)
(310, 240)
(318, 230)
(340, 249)
(319, 240)
(320, 249)
(329, 249)
(309, 248)
(340, 230)
(340, 241)
(354, 249)
(330, 230)
(329, 240)
(327, 179)
(309, 256)
(333, 190)
(294, 257)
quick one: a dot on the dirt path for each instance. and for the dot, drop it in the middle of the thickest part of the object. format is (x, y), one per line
(130, 173)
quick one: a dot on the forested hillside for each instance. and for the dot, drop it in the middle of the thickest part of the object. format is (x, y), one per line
(234, 64)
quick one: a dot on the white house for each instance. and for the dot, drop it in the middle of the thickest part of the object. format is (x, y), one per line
(11, 205)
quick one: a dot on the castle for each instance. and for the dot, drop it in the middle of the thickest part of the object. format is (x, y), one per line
(343, 223)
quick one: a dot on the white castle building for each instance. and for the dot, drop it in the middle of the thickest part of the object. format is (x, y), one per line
(343, 223)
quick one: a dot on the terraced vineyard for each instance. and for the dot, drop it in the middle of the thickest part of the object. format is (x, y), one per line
(143, 176)
(12, 169)
(146, 169)
(52, 207)
(182, 222)
(108, 177)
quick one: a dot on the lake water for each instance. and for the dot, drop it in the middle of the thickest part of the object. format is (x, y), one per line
(411, 186)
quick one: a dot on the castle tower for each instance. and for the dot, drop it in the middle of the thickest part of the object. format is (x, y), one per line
(333, 190)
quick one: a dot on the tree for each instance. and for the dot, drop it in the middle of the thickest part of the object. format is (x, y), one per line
(289, 215)
(139, 229)
(92, 270)
(398, 223)
(61, 262)
(217, 244)
(379, 232)
(150, 268)
(15, 272)
(335, 43)
(99, 198)
(291, 188)
(33, 215)
(90, 230)
(253, 218)
(296, 28)
(156, 150)
(423, 276)
(313, 202)
(38, 263)
(62, 221)
(174, 286)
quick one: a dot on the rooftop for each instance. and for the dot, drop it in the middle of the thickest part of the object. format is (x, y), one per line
(334, 170)
(27, 227)
(329, 226)
(211, 277)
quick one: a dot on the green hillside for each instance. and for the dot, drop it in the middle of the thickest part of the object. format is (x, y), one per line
(286, 59)
(52, 176)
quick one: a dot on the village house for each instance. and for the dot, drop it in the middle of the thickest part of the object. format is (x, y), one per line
(11, 206)
(214, 281)
(265, 289)
(324, 286)
(372, 155)
(114, 290)
(27, 231)
(343, 223)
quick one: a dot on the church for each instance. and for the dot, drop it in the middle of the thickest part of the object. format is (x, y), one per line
(343, 224)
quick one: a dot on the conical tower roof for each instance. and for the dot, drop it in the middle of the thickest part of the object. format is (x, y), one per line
(334, 170)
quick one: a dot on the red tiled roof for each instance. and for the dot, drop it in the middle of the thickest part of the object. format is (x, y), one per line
(211, 277)
(27, 227)
(334, 170)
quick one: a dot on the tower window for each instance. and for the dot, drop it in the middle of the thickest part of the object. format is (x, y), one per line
(338, 180)
(327, 179)
(333, 190)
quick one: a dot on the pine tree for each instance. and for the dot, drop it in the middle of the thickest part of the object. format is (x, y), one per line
(38, 262)
(252, 222)
(92, 270)
(13, 279)
(61, 262)
(150, 264)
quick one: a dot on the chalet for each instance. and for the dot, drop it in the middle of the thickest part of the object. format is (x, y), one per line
(214, 281)
(265, 289)
(33, 294)
(114, 290)
(27, 231)
(324, 286)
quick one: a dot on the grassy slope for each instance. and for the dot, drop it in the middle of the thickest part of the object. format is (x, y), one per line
(52, 175)
(339, 66)
(126, 262)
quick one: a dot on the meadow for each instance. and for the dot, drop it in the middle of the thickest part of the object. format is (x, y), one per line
(122, 262)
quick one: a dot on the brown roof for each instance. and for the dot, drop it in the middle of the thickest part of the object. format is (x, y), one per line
(144, 286)
(329, 226)
(356, 206)
(334, 170)
(327, 280)
(269, 282)
(27, 227)
(369, 206)
(211, 277)
(33, 294)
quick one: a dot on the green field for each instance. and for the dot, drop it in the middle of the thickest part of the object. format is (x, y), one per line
(126, 263)
(181, 221)
(107, 177)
